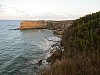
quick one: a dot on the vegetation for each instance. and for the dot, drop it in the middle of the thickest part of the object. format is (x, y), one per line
(83, 35)
(81, 43)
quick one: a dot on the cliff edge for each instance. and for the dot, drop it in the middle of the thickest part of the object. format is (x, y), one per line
(80, 49)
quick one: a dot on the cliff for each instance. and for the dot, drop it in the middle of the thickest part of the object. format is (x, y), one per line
(80, 49)
(57, 26)
(33, 24)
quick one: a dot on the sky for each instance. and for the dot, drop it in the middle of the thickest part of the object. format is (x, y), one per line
(46, 9)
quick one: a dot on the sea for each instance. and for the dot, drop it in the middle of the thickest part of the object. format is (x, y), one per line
(20, 50)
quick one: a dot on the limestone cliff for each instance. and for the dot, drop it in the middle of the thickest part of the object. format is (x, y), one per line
(33, 24)
(57, 26)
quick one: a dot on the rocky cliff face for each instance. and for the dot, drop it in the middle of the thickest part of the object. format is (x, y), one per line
(54, 25)
(33, 24)
(57, 26)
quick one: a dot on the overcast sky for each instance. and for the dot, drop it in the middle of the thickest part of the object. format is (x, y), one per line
(47, 9)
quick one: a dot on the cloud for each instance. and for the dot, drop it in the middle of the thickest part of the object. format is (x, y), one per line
(18, 11)
(72, 16)
(52, 16)
(13, 13)
(1, 8)
(1, 5)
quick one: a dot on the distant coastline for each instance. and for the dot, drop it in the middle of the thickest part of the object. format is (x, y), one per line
(58, 27)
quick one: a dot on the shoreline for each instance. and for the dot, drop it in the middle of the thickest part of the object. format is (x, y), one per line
(48, 54)
(81, 54)
(46, 59)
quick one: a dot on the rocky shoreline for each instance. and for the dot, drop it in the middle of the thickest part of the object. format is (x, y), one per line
(79, 53)
(54, 53)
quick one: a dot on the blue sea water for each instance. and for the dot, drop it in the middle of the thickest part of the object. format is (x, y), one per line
(20, 48)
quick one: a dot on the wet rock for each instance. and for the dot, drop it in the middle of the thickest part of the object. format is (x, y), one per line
(14, 29)
(39, 62)
(35, 67)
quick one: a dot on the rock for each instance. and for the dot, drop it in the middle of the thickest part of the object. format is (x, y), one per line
(14, 29)
(40, 62)
(41, 24)
(35, 67)
(33, 25)
(56, 55)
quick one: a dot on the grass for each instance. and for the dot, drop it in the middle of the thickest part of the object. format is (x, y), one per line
(81, 55)
(80, 64)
